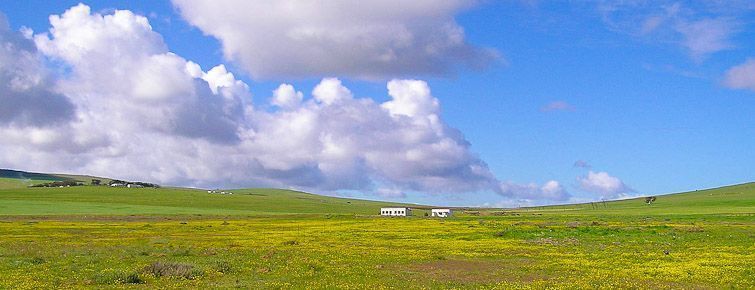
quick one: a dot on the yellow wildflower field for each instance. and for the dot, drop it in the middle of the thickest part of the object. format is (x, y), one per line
(358, 252)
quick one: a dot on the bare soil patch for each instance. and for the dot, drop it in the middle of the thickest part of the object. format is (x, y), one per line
(472, 271)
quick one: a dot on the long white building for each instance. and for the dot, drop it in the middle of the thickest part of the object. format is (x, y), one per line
(396, 211)
(441, 212)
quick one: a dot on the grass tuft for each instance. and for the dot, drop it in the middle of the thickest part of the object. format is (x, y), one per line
(173, 269)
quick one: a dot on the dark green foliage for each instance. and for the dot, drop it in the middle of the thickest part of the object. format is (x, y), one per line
(59, 183)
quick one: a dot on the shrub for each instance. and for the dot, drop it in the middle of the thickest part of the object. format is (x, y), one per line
(223, 267)
(37, 261)
(172, 269)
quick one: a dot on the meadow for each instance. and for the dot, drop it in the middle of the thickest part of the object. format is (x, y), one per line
(99, 237)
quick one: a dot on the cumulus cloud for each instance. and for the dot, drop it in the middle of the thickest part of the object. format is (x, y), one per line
(286, 97)
(122, 71)
(609, 187)
(363, 39)
(27, 93)
(741, 76)
(144, 113)
(557, 106)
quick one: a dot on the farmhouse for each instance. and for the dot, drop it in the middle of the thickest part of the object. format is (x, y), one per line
(441, 212)
(396, 211)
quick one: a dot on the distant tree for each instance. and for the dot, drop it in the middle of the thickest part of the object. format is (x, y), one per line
(96, 182)
(59, 183)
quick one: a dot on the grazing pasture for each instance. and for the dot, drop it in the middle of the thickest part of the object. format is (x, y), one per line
(176, 238)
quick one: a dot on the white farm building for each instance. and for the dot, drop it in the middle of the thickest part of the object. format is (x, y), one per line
(441, 212)
(396, 211)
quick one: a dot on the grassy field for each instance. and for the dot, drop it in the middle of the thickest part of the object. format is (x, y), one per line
(723, 200)
(103, 237)
(105, 200)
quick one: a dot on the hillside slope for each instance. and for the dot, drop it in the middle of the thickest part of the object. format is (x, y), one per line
(21, 179)
(733, 199)
(105, 200)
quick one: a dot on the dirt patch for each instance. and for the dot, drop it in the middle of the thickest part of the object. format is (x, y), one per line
(471, 271)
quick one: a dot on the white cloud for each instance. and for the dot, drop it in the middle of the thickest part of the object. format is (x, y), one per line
(741, 76)
(609, 187)
(557, 106)
(286, 97)
(330, 91)
(122, 71)
(144, 113)
(363, 39)
(411, 98)
(28, 96)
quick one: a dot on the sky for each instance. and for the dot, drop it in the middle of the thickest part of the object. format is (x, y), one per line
(489, 103)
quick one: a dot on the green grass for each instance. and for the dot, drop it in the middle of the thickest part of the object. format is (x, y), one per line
(104, 237)
(351, 252)
(723, 200)
(104, 200)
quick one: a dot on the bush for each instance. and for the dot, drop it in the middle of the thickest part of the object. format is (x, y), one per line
(223, 267)
(172, 269)
(37, 261)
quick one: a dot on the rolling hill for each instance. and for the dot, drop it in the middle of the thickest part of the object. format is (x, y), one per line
(21, 179)
(723, 200)
(16, 198)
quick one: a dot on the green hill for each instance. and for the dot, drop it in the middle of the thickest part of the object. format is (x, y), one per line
(723, 200)
(105, 200)
(21, 179)
(17, 199)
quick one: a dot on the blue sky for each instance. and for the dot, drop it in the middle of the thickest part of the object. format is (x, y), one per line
(635, 91)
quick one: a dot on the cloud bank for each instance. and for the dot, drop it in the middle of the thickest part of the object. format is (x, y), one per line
(129, 108)
(373, 39)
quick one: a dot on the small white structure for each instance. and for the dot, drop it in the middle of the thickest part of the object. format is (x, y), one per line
(131, 185)
(396, 211)
(441, 212)
(218, 192)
